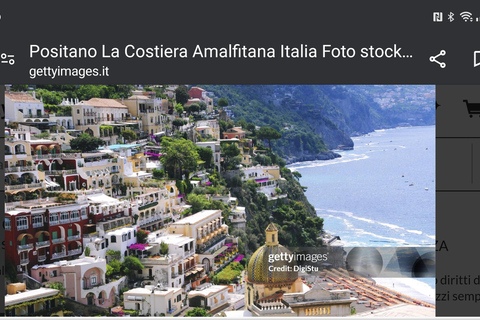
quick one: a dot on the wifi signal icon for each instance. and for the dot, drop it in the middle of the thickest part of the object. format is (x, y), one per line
(466, 16)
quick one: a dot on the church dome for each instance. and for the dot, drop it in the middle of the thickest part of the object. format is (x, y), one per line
(264, 268)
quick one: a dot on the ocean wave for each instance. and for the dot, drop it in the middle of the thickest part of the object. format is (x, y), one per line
(330, 213)
(410, 287)
(322, 163)
(415, 231)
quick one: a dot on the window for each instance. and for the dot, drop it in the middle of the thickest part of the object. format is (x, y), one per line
(37, 221)
(93, 280)
(78, 121)
(75, 216)
(78, 111)
(53, 218)
(8, 225)
(84, 212)
(22, 223)
(113, 239)
(129, 236)
(64, 217)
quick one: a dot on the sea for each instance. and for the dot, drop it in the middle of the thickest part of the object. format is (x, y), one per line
(380, 194)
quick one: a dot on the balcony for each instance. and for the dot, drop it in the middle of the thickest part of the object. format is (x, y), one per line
(74, 219)
(74, 237)
(42, 244)
(42, 258)
(23, 247)
(92, 285)
(75, 252)
(22, 227)
(37, 224)
(23, 186)
(60, 172)
(54, 222)
(203, 248)
(24, 261)
(148, 205)
(46, 156)
(58, 255)
(29, 168)
(58, 240)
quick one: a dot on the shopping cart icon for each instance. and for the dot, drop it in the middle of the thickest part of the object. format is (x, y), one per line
(473, 108)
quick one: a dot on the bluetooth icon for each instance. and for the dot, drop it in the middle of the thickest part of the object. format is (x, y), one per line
(450, 16)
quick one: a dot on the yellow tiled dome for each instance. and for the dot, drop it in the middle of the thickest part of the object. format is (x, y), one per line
(261, 270)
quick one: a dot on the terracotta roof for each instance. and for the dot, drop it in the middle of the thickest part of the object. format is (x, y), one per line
(104, 103)
(21, 97)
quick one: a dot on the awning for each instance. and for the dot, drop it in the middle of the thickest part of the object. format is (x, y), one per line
(40, 232)
(261, 180)
(51, 183)
(20, 237)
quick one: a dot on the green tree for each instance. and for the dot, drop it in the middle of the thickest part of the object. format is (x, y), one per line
(197, 312)
(142, 236)
(163, 248)
(129, 135)
(85, 142)
(112, 254)
(178, 155)
(197, 201)
(178, 108)
(158, 174)
(87, 251)
(178, 122)
(181, 95)
(58, 286)
(222, 102)
(115, 267)
(194, 107)
(203, 106)
(130, 265)
(268, 133)
(230, 153)
(206, 155)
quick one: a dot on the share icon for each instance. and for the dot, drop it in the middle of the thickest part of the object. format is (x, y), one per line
(434, 59)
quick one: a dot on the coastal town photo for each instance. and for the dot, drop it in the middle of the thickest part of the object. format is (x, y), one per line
(195, 200)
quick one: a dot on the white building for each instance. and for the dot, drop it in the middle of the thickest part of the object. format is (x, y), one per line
(174, 268)
(154, 301)
(210, 297)
(21, 105)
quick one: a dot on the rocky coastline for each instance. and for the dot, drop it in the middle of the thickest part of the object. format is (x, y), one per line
(329, 155)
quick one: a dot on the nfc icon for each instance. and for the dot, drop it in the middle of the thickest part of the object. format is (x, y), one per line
(476, 58)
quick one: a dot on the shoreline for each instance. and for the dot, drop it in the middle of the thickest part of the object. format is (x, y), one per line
(332, 154)
(410, 287)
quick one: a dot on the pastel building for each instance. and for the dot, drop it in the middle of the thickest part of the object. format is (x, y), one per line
(154, 301)
(83, 279)
(148, 109)
(210, 234)
(103, 118)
